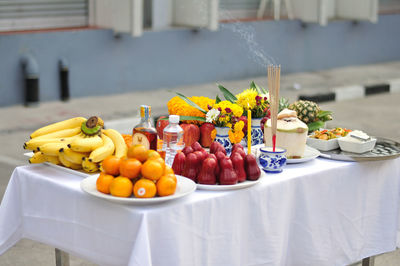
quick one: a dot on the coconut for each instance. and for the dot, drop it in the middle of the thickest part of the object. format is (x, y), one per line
(291, 134)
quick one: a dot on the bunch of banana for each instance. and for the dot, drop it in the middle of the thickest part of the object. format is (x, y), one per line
(76, 143)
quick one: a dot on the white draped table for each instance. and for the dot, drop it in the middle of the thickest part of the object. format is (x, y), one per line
(321, 212)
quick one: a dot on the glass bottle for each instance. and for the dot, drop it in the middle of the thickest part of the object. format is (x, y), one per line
(144, 133)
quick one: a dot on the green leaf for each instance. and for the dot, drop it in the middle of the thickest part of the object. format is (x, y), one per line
(283, 103)
(260, 90)
(254, 86)
(217, 99)
(197, 118)
(323, 113)
(227, 94)
(188, 101)
(315, 125)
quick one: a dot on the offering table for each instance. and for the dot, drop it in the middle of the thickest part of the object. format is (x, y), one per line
(321, 212)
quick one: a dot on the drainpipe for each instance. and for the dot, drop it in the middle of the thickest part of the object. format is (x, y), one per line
(64, 80)
(31, 74)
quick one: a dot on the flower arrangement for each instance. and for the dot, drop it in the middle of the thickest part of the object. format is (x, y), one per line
(250, 99)
(181, 107)
(226, 114)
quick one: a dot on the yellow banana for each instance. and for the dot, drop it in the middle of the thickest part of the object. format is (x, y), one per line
(73, 156)
(52, 149)
(89, 166)
(64, 161)
(120, 147)
(33, 144)
(65, 133)
(52, 159)
(104, 151)
(86, 143)
(37, 157)
(66, 124)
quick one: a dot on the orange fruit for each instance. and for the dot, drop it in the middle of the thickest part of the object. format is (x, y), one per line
(166, 186)
(152, 154)
(111, 165)
(130, 168)
(168, 170)
(152, 169)
(121, 187)
(173, 176)
(103, 182)
(144, 188)
(138, 152)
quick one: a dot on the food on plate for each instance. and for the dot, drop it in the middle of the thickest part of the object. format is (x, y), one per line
(76, 143)
(311, 114)
(121, 187)
(291, 134)
(330, 134)
(357, 142)
(147, 179)
(205, 134)
(216, 168)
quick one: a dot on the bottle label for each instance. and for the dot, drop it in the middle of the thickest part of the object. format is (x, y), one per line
(139, 138)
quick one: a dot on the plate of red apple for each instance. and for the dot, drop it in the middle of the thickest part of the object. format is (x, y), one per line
(215, 170)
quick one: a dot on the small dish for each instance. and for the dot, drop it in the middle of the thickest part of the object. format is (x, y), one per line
(323, 145)
(356, 146)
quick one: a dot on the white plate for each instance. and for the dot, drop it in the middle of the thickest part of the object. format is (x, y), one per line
(309, 154)
(184, 187)
(241, 185)
(65, 169)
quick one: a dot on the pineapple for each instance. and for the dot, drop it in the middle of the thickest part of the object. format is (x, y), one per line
(310, 113)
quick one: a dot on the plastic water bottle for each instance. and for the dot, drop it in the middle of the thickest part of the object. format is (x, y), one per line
(172, 139)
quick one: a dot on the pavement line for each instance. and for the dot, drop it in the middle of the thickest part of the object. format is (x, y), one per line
(11, 161)
(353, 92)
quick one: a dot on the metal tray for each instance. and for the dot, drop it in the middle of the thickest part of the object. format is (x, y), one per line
(384, 149)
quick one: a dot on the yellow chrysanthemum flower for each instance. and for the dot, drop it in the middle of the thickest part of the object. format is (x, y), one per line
(247, 99)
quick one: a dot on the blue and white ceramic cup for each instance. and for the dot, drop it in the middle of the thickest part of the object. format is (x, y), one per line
(272, 162)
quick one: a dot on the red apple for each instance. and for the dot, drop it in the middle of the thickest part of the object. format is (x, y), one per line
(205, 134)
(191, 134)
(161, 124)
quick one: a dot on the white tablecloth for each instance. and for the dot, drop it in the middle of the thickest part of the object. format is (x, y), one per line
(321, 212)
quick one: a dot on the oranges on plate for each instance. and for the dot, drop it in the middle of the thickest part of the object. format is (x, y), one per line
(143, 174)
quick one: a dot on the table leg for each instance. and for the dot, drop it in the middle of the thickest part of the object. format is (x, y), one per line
(62, 258)
(370, 261)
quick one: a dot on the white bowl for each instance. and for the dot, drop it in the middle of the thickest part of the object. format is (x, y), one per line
(349, 145)
(323, 145)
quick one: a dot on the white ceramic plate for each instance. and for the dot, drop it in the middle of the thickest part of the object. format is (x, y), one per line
(65, 169)
(184, 187)
(309, 154)
(241, 185)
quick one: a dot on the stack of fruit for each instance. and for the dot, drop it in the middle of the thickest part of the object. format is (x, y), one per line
(76, 143)
(216, 167)
(143, 173)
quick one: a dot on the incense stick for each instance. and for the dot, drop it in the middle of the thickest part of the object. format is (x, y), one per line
(274, 85)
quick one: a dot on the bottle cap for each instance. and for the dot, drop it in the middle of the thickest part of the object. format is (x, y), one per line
(145, 111)
(174, 119)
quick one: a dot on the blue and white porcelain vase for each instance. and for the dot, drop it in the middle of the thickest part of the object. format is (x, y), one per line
(223, 138)
(257, 135)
